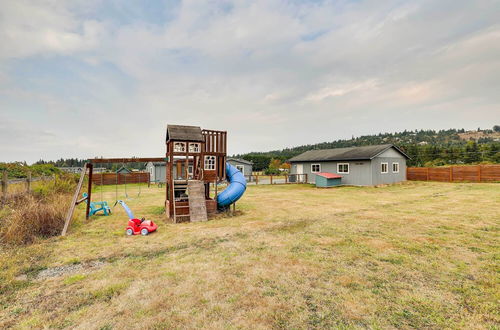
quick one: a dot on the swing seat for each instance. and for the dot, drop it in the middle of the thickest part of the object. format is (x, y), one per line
(98, 207)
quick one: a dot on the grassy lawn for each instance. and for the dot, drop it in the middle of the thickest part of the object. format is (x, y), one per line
(416, 255)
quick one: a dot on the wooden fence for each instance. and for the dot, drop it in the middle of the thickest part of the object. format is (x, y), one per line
(5, 182)
(469, 173)
(121, 178)
(276, 179)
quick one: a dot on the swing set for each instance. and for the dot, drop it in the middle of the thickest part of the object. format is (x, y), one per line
(88, 171)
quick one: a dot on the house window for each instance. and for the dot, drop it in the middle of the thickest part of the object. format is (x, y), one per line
(384, 168)
(241, 168)
(210, 162)
(194, 147)
(179, 147)
(315, 168)
(343, 168)
(395, 167)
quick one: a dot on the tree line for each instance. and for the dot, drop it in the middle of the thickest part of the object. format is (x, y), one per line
(424, 147)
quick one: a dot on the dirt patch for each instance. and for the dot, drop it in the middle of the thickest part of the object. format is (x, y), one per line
(82, 268)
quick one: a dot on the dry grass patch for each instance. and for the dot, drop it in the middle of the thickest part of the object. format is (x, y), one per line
(418, 255)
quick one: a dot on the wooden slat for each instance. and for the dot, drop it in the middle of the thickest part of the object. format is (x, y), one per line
(126, 160)
(468, 173)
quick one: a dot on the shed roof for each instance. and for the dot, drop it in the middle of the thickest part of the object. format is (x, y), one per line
(329, 175)
(240, 160)
(352, 153)
(184, 133)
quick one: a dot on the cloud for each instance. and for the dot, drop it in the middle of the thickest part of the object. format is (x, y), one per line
(272, 73)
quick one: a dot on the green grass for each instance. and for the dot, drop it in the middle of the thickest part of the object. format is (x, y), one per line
(415, 255)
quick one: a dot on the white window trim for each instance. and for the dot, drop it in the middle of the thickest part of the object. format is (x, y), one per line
(208, 163)
(197, 145)
(180, 143)
(338, 168)
(318, 171)
(382, 167)
(242, 170)
(396, 163)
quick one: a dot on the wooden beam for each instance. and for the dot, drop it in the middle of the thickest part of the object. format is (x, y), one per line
(126, 160)
(69, 215)
(89, 191)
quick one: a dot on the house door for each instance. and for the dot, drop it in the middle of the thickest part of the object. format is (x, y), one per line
(300, 170)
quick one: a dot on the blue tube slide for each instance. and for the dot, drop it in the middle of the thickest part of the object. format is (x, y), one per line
(127, 209)
(236, 188)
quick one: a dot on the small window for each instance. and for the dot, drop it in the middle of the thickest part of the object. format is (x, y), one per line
(384, 168)
(190, 169)
(343, 168)
(194, 147)
(179, 147)
(315, 168)
(241, 168)
(210, 162)
(395, 167)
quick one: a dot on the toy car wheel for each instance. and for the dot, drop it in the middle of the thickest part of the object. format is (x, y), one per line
(144, 232)
(129, 232)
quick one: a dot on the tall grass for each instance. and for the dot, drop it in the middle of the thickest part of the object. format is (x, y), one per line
(40, 214)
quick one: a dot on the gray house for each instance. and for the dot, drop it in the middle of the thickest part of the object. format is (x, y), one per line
(157, 171)
(358, 166)
(243, 165)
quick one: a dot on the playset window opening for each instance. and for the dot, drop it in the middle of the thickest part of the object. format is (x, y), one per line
(194, 147)
(179, 147)
(210, 162)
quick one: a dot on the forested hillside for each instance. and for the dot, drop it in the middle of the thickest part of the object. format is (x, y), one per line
(425, 147)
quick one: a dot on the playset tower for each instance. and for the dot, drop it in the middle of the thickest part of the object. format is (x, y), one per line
(195, 158)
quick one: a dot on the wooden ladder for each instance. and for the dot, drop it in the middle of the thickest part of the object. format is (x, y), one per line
(178, 216)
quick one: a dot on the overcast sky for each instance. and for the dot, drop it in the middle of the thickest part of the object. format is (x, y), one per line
(103, 78)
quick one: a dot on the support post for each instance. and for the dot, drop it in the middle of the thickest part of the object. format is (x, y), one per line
(286, 178)
(5, 183)
(256, 179)
(89, 190)
(28, 183)
(271, 177)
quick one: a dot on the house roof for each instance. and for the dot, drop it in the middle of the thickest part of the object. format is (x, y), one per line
(123, 169)
(240, 160)
(352, 153)
(329, 175)
(184, 133)
(159, 163)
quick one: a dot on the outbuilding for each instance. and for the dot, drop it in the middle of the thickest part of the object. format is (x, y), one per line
(243, 165)
(325, 180)
(157, 171)
(358, 166)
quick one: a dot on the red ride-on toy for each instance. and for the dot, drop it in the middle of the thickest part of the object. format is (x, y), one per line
(137, 226)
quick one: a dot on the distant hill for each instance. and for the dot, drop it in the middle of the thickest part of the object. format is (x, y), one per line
(425, 147)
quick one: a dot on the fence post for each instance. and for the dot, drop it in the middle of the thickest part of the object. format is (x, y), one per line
(271, 176)
(478, 173)
(286, 178)
(5, 183)
(427, 174)
(451, 173)
(28, 183)
(257, 179)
